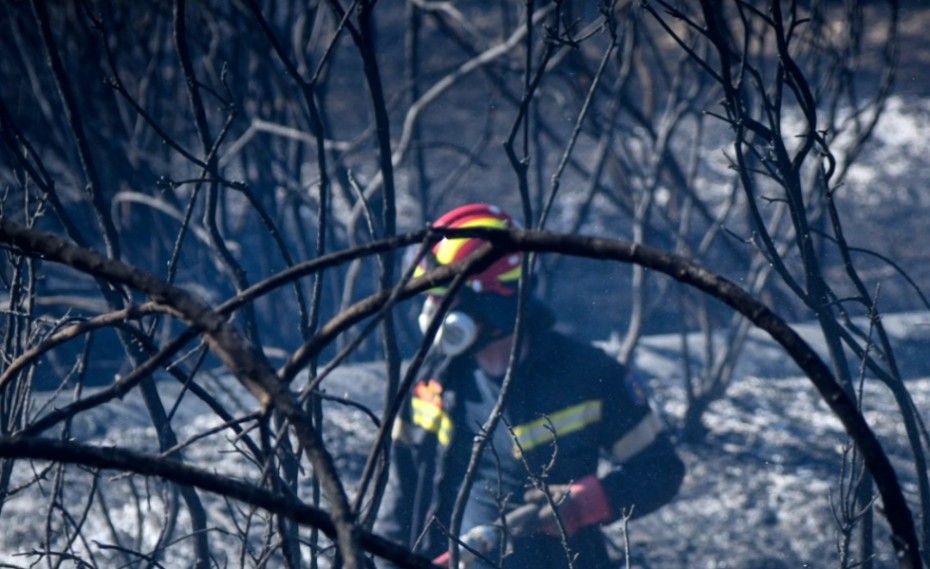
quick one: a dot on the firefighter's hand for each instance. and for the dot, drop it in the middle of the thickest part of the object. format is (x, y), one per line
(577, 505)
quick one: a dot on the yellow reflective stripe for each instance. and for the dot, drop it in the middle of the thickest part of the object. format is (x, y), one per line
(557, 424)
(511, 275)
(447, 249)
(432, 418)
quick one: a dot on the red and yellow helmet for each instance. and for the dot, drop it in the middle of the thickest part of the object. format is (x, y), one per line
(502, 276)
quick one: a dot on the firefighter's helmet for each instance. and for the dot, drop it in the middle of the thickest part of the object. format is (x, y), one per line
(502, 276)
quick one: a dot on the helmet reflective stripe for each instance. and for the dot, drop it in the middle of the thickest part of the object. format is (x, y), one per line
(450, 250)
(514, 273)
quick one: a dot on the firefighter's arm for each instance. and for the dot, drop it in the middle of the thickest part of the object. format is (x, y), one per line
(647, 474)
(647, 470)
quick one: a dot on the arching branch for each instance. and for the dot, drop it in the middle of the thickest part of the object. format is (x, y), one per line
(254, 371)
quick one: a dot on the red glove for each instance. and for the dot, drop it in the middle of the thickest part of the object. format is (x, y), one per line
(581, 504)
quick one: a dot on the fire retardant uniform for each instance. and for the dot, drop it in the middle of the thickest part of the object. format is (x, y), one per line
(569, 405)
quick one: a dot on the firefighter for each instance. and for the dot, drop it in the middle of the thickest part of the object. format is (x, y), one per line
(543, 472)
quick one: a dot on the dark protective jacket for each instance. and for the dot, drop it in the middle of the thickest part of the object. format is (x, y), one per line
(569, 405)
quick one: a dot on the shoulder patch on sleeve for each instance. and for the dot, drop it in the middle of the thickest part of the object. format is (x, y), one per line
(635, 382)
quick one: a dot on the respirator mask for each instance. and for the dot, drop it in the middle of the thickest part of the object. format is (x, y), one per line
(457, 332)
(474, 321)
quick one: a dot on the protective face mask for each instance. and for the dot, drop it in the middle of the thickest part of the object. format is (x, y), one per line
(457, 333)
